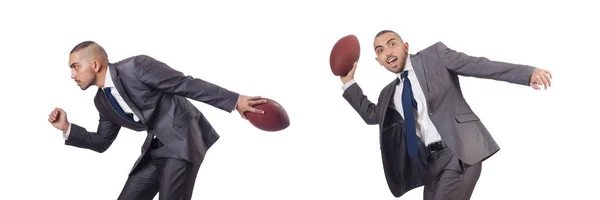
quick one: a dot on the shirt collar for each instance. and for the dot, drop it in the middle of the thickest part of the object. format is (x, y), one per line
(108, 82)
(407, 66)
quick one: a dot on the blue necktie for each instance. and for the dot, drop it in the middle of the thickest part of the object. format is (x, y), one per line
(115, 105)
(408, 103)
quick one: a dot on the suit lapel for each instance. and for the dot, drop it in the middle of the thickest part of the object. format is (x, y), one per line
(387, 97)
(119, 86)
(417, 63)
(390, 93)
(107, 110)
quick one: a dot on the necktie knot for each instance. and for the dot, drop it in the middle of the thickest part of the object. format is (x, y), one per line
(404, 75)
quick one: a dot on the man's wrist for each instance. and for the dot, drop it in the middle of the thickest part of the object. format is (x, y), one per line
(65, 127)
(531, 74)
(344, 81)
(237, 102)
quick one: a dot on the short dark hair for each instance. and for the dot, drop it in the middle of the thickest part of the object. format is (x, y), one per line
(93, 49)
(386, 31)
(81, 46)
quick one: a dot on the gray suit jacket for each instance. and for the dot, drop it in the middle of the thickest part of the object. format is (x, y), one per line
(157, 94)
(437, 68)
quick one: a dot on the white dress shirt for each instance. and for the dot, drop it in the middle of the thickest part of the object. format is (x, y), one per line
(425, 128)
(109, 83)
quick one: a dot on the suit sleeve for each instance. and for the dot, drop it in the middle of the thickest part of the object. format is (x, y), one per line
(96, 141)
(481, 67)
(160, 76)
(365, 108)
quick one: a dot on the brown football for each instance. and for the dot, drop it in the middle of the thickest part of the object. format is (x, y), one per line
(345, 52)
(275, 117)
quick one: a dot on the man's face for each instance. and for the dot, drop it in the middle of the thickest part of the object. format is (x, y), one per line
(83, 70)
(391, 51)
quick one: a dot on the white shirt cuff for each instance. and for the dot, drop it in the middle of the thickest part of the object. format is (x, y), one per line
(234, 107)
(66, 134)
(348, 84)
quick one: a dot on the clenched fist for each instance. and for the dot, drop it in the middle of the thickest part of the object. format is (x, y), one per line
(58, 119)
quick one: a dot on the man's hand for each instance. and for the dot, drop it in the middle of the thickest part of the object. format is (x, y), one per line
(350, 75)
(540, 77)
(58, 119)
(246, 103)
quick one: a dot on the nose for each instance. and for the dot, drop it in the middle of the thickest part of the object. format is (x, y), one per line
(73, 75)
(388, 52)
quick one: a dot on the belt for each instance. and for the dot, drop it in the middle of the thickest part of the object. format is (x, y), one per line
(436, 146)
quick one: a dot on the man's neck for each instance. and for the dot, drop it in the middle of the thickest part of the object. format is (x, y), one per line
(404, 67)
(101, 78)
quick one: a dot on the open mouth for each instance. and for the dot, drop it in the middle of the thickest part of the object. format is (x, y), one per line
(392, 59)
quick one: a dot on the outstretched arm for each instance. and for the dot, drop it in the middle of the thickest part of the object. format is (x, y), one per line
(159, 75)
(481, 67)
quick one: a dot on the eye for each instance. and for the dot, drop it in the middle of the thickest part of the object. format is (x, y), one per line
(393, 44)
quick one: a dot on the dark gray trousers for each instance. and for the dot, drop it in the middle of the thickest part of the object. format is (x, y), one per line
(449, 178)
(163, 173)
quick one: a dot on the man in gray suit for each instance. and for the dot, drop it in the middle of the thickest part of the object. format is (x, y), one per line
(144, 94)
(429, 135)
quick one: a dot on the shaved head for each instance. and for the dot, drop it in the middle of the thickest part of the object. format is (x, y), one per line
(88, 62)
(387, 31)
(91, 50)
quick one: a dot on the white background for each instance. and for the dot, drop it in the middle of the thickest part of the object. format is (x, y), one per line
(280, 50)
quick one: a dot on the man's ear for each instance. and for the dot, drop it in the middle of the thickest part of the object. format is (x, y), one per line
(406, 47)
(97, 65)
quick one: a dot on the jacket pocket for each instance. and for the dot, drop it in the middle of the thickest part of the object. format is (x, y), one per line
(468, 117)
(182, 120)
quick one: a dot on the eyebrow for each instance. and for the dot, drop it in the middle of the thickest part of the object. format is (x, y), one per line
(385, 42)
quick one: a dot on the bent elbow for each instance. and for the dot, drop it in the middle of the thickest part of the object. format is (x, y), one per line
(101, 148)
(371, 120)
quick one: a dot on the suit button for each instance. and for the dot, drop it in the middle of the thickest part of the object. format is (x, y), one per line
(431, 113)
